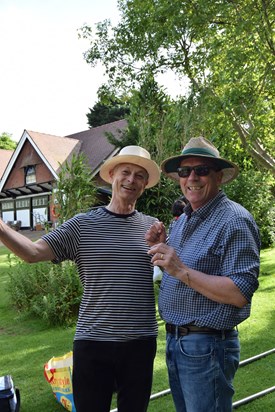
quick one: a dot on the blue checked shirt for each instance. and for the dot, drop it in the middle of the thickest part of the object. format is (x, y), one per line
(221, 239)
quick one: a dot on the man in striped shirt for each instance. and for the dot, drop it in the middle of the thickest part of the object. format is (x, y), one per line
(115, 339)
(211, 266)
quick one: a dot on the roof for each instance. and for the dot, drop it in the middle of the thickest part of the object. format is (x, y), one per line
(5, 156)
(55, 149)
(96, 145)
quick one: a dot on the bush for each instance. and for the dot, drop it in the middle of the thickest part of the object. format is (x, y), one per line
(253, 190)
(158, 200)
(48, 291)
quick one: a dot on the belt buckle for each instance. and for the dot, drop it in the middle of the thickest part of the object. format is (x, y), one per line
(183, 331)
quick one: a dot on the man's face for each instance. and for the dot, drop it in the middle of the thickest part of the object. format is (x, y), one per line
(199, 190)
(129, 181)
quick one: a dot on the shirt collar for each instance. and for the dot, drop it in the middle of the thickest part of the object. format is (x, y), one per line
(204, 211)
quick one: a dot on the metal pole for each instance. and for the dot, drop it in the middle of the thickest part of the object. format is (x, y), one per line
(159, 394)
(252, 397)
(256, 357)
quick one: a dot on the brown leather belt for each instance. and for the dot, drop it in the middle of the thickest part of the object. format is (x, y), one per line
(186, 329)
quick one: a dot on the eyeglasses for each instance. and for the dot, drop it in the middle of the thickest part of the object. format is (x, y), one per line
(203, 170)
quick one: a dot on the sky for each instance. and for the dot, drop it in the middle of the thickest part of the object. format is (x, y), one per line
(45, 84)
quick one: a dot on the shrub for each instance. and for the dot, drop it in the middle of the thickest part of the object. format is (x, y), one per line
(48, 291)
(253, 190)
(158, 200)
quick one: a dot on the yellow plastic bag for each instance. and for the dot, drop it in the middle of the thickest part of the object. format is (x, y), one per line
(58, 372)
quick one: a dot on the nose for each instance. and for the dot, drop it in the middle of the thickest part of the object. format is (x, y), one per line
(131, 178)
(193, 175)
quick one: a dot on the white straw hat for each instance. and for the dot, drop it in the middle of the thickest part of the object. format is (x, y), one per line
(135, 155)
(200, 147)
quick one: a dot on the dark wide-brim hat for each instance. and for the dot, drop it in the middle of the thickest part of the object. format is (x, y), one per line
(200, 147)
(135, 155)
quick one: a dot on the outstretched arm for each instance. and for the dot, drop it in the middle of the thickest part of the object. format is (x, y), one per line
(23, 247)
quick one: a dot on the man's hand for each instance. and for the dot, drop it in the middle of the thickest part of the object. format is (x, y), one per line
(156, 234)
(166, 257)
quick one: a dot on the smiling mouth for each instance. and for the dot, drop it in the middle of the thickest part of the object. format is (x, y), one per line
(128, 188)
(194, 188)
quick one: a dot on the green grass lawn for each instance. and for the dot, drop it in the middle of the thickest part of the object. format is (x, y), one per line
(27, 344)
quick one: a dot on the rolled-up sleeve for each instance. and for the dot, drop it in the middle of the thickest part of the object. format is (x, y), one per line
(241, 258)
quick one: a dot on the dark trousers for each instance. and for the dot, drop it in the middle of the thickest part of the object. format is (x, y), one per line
(99, 368)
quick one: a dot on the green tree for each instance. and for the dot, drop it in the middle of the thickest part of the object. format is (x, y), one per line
(253, 190)
(75, 191)
(162, 126)
(107, 109)
(6, 142)
(155, 123)
(152, 121)
(226, 50)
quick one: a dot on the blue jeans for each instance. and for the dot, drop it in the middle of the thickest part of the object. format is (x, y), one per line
(99, 368)
(201, 369)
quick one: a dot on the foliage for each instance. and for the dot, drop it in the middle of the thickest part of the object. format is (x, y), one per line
(108, 108)
(162, 126)
(128, 136)
(45, 290)
(155, 121)
(6, 142)
(252, 189)
(75, 191)
(158, 200)
(225, 50)
(148, 107)
(151, 123)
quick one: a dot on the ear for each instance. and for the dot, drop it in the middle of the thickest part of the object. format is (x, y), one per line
(111, 173)
(219, 177)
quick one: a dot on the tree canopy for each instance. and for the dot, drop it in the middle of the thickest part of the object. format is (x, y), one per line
(107, 109)
(226, 50)
(6, 142)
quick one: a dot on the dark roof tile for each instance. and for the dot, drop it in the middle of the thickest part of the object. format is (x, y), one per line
(95, 143)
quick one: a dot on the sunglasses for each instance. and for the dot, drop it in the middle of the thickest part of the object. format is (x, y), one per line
(203, 170)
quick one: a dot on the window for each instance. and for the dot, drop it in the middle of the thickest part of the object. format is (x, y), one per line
(30, 176)
(40, 201)
(8, 205)
(22, 203)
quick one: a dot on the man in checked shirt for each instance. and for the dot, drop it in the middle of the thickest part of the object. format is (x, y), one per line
(211, 268)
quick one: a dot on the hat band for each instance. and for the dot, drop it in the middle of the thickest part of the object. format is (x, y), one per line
(198, 151)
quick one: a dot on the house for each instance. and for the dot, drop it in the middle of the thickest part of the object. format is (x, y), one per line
(31, 170)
